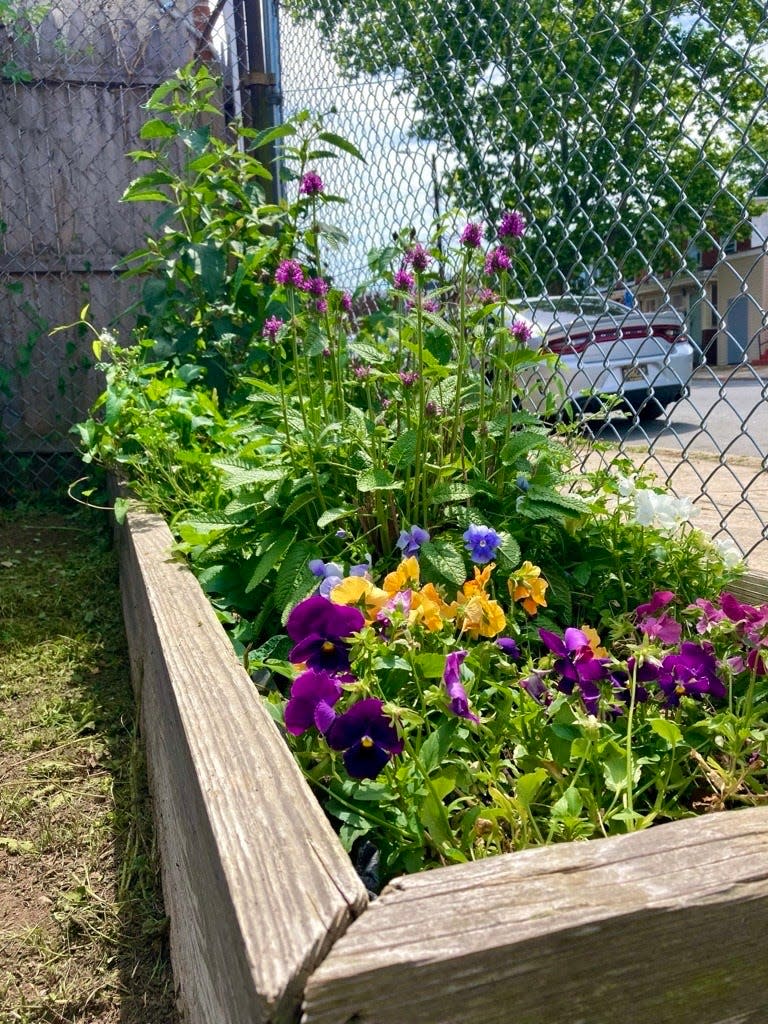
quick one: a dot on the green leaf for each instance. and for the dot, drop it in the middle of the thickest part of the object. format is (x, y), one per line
(667, 729)
(341, 143)
(240, 474)
(446, 494)
(508, 555)
(121, 507)
(377, 480)
(436, 745)
(157, 129)
(527, 786)
(332, 515)
(570, 805)
(269, 559)
(403, 452)
(445, 562)
(294, 580)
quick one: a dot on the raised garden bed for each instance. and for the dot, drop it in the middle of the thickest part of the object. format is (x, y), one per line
(269, 922)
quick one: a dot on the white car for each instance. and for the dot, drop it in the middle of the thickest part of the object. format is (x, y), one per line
(610, 357)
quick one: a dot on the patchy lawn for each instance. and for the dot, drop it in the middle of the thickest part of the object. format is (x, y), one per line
(83, 935)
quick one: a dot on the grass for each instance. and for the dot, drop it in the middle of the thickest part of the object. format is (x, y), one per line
(83, 935)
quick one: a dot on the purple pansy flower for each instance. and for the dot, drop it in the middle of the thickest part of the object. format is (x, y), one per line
(472, 236)
(482, 543)
(709, 617)
(659, 627)
(576, 664)
(410, 541)
(509, 646)
(319, 630)
(647, 672)
(367, 737)
(330, 573)
(512, 225)
(452, 679)
(691, 673)
(289, 272)
(535, 686)
(311, 184)
(313, 695)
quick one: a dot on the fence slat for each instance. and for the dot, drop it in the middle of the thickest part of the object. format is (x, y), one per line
(255, 882)
(657, 927)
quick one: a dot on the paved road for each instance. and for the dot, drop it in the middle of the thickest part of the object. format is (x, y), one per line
(713, 449)
(718, 416)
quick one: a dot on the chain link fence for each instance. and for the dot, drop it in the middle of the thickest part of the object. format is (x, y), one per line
(633, 138)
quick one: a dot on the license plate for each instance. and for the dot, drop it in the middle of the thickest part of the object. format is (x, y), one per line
(634, 373)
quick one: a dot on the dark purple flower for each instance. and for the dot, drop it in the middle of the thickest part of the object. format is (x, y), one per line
(659, 600)
(452, 679)
(431, 305)
(576, 664)
(433, 410)
(418, 258)
(472, 236)
(408, 377)
(509, 646)
(403, 281)
(346, 302)
(313, 695)
(691, 673)
(512, 225)
(521, 330)
(410, 541)
(535, 686)
(318, 629)
(271, 327)
(647, 672)
(482, 543)
(321, 306)
(497, 260)
(367, 737)
(289, 272)
(311, 184)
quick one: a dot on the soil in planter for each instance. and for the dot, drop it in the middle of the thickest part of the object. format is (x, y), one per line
(83, 935)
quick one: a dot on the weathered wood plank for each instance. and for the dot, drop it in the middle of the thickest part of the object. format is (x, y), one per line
(662, 926)
(752, 588)
(256, 884)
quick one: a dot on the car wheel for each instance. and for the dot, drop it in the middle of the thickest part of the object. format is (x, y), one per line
(650, 410)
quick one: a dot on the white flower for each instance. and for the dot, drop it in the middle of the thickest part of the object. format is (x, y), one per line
(728, 551)
(627, 485)
(664, 511)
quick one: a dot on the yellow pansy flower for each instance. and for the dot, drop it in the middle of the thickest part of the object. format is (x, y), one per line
(529, 587)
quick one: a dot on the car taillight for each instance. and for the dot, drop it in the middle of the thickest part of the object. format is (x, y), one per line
(570, 344)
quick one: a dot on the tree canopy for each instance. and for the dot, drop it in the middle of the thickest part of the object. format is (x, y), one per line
(628, 131)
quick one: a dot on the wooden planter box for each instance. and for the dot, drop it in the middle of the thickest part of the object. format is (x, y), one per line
(269, 922)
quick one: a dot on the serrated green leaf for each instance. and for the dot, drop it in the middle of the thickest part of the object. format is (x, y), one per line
(445, 562)
(446, 494)
(294, 580)
(377, 480)
(269, 560)
(403, 451)
(508, 555)
(241, 474)
(332, 515)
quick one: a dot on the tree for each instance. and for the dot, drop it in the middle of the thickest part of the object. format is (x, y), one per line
(629, 131)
